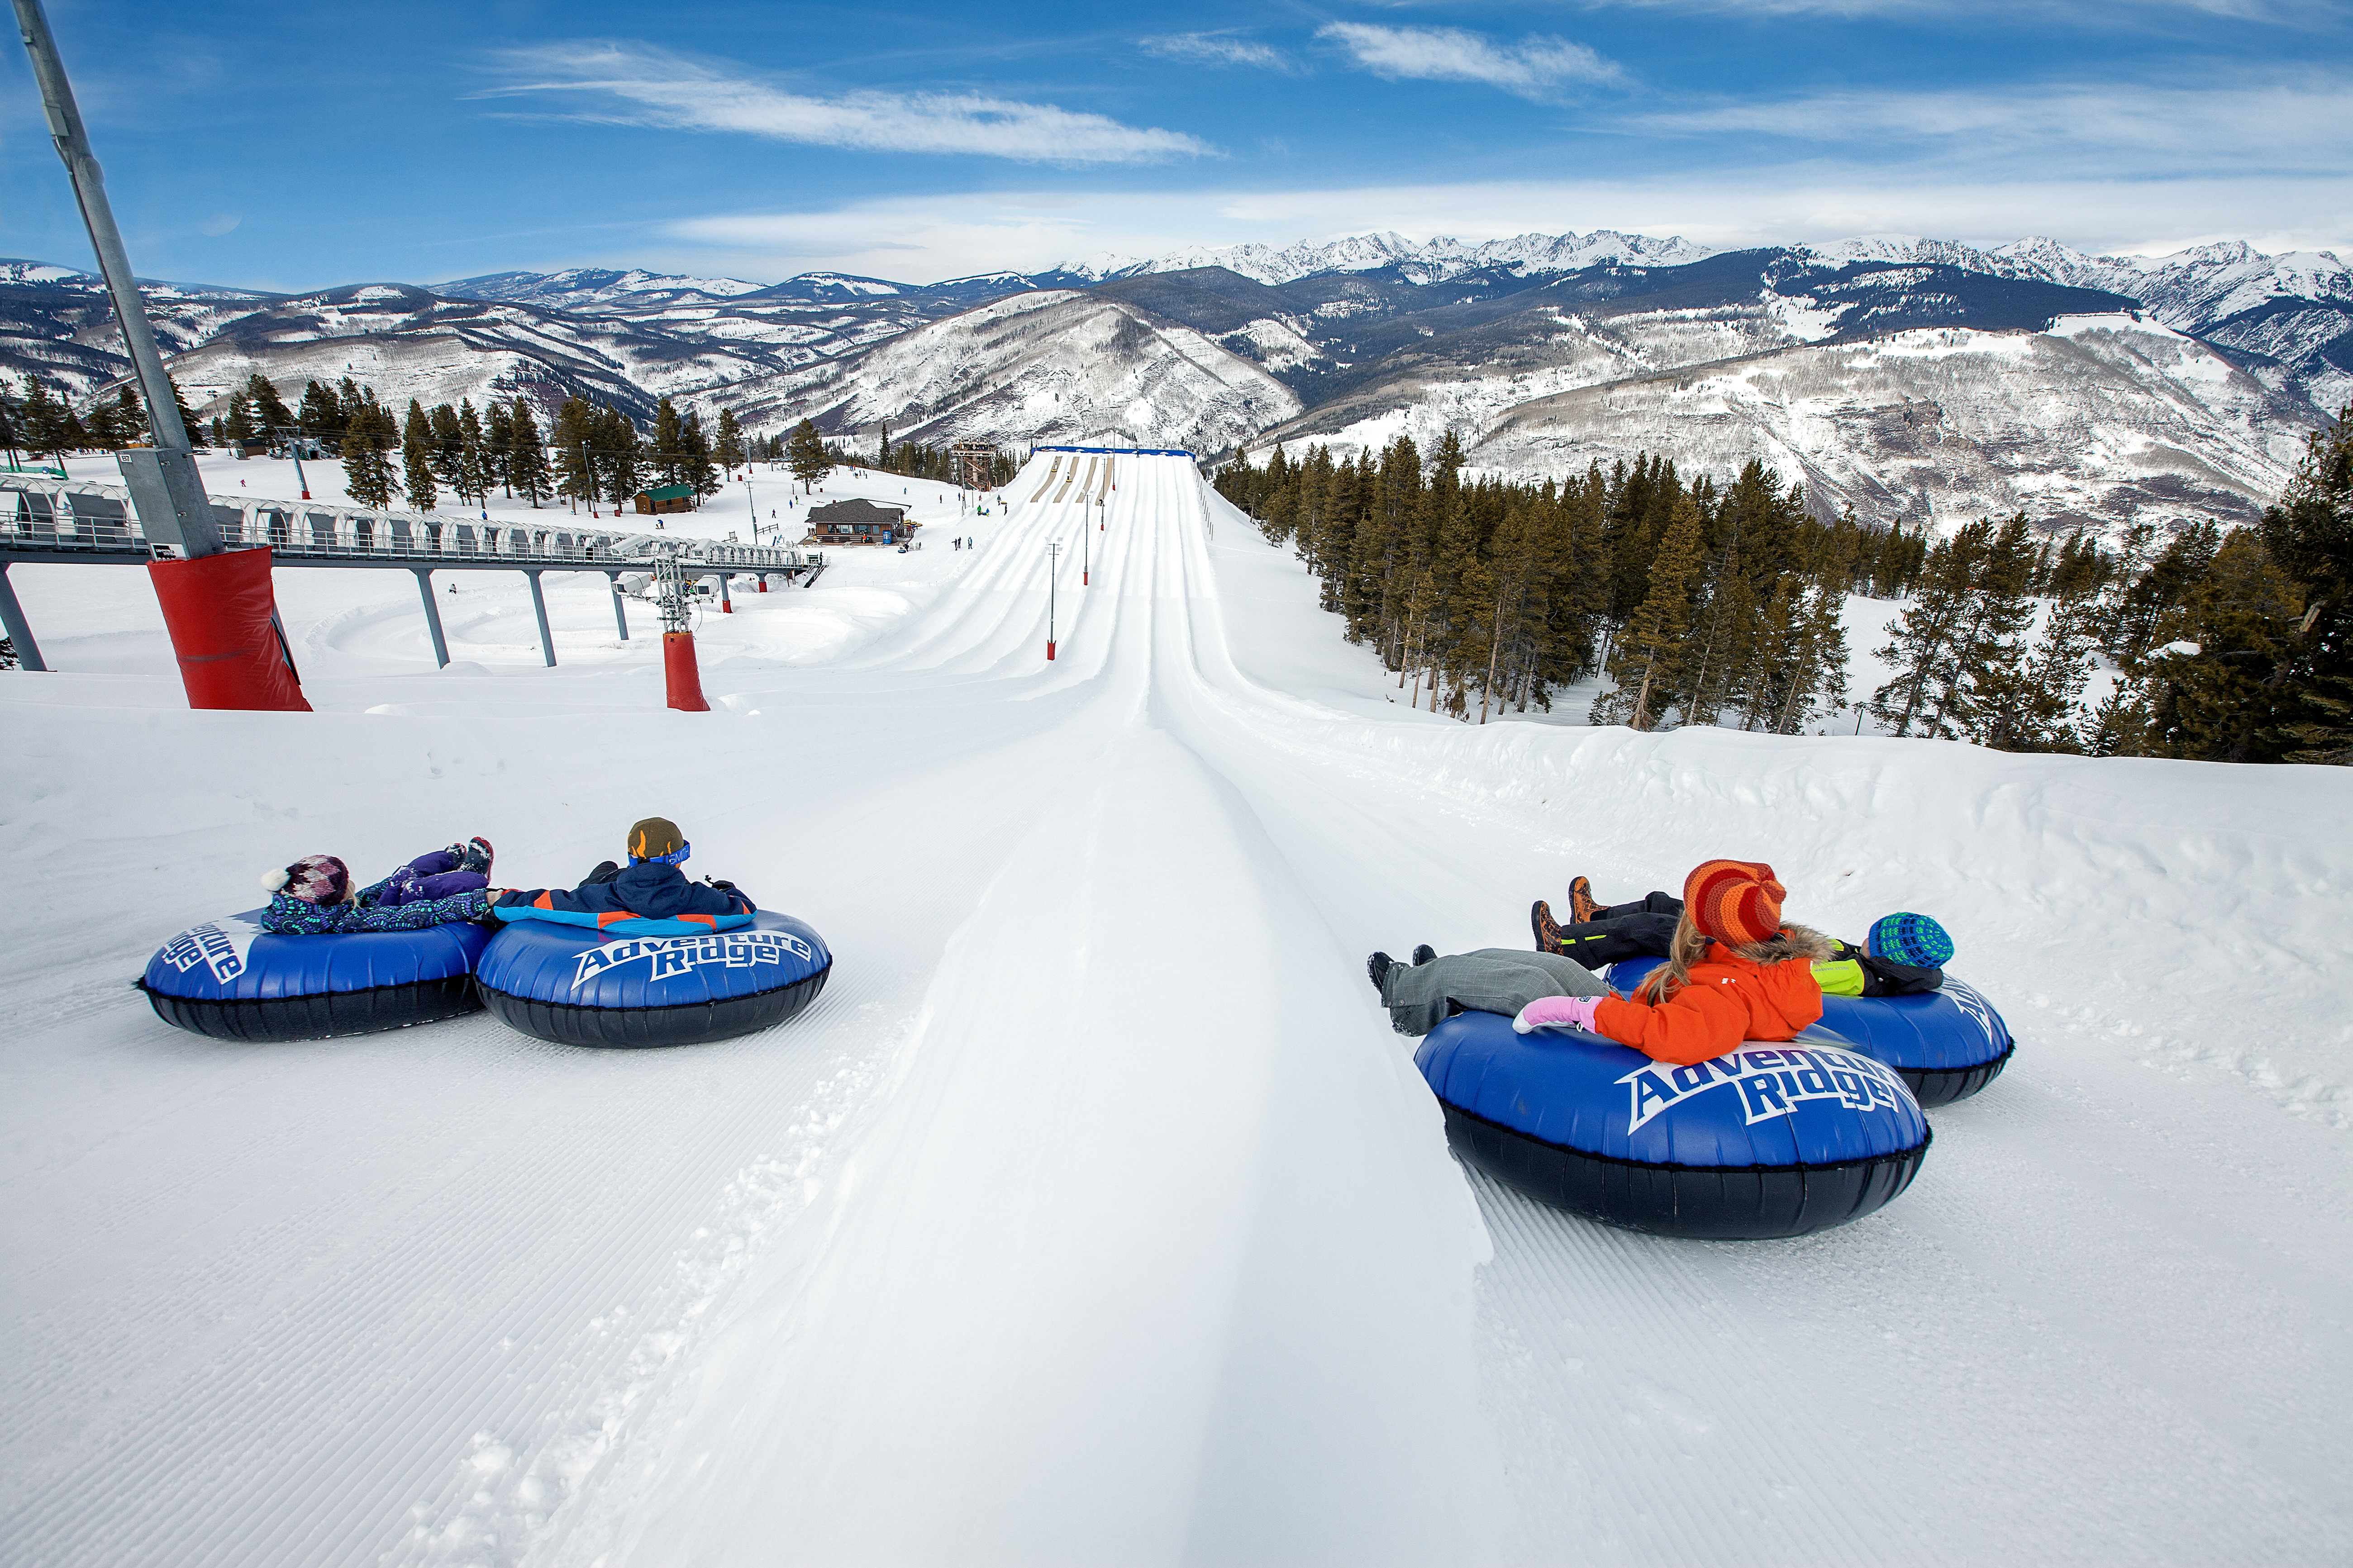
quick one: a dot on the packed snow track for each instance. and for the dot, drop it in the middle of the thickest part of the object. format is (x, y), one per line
(1093, 1215)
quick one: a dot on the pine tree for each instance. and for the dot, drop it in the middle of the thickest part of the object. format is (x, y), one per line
(322, 417)
(2310, 536)
(576, 473)
(130, 419)
(1928, 646)
(367, 440)
(498, 447)
(728, 445)
(241, 419)
(2211, 693)
(805, 454)
(418, 450)
(668, 453)
(694, 464)
(477, 465)
(1650, 653)
(41, 418)
(187, 416)
(619, 453)
(272, 417)
(527, 462)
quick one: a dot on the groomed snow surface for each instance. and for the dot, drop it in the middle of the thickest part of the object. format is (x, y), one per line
(1093, 1215)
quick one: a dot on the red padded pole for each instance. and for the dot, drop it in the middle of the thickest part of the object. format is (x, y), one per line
(682, 677)
(220, 611)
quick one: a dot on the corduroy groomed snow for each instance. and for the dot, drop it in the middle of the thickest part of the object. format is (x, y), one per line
(658, 838)
(1909, 939)
(1735, 901)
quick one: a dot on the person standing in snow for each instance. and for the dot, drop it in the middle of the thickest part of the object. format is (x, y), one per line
(650, 885)
(314, 896)
(1735, 972)
(1902, 955)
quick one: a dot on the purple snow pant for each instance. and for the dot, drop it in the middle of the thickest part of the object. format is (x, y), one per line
(432, 876)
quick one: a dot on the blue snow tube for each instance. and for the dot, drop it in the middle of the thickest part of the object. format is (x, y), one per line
(1947, 1045)
(569, 984)
(1766, 1141)
(232, 981)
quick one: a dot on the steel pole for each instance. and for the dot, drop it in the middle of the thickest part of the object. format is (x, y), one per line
(539, 608)
(620, 615)
(20, 630)
(164, 482)
(432, 615)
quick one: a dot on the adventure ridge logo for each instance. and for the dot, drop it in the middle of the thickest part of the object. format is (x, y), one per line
(668, 956)
(1770, 1083)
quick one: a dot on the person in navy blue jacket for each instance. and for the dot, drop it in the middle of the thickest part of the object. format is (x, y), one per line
(650, 886)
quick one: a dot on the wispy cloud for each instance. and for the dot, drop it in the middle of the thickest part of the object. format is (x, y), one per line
(2119, 127)
(637, 84)
(1531, 68)
(2110, 16)
(1224, 49)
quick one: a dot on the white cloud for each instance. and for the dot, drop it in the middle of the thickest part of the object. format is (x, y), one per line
(924, 239)
(636, 84)
(2120, 127)
(1530, 68)
(1216, 49)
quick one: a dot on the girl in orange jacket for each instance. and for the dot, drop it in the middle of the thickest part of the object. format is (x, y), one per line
(1735, 972)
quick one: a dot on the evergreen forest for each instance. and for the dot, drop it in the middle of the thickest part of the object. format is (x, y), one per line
(1708, 601)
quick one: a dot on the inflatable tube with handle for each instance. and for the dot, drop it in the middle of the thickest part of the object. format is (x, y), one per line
(576, 988)
(1767, 1141)
(232, 981)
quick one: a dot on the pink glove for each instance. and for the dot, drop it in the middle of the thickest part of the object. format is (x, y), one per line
(1554, 1012)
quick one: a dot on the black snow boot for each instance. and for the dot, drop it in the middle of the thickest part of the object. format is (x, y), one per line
(1377, 968)
(1548, 930)
(1423, 955)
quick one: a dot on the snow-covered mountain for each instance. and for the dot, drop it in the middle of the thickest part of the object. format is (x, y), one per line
(1344, 339)
(1043, 365)
(1433, 261)
(2102, 419)
(59, 323)
(582, 287)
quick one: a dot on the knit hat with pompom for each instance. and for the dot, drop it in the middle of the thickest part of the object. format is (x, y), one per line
(1737, 902)
(315, 879)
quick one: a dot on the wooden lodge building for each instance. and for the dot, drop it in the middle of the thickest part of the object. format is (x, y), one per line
(858, 522)
(666, 497)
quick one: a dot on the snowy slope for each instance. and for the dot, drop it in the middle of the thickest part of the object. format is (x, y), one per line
(1093, 1215)
(1035, 367)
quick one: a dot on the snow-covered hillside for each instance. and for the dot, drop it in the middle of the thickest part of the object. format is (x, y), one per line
(1093, 1215)
(1040, 366)
(2102, 419)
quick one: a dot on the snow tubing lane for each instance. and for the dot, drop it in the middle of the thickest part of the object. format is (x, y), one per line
(1766, 1141)
(232, 981)
(1947, 1046)
(567, 985)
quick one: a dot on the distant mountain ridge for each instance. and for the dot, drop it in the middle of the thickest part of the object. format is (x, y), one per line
(1536, 350)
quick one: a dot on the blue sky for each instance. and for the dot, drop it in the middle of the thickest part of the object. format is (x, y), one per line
(297, 146)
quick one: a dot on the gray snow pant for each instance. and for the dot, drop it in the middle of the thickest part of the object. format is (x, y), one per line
(1491, 980)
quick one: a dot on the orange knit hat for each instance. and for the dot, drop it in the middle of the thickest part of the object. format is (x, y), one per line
(1737, 902)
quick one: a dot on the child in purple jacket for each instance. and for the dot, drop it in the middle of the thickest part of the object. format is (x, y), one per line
(314, 896)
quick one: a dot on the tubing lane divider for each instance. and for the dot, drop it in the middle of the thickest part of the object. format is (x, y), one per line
(432, 615)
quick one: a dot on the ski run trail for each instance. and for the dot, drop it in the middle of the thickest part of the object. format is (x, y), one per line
(1093, 1215)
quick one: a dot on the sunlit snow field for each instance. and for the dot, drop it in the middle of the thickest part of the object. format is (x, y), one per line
(1093, 1213)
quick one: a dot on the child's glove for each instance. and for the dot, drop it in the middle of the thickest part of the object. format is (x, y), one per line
(1554, 1012)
